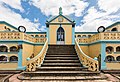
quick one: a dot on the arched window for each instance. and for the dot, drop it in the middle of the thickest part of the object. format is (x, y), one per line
(32, 35)
(13, 58)
(36, 35)
(13, 49)
(41, 35)
(114, 29)
(84, 36)
(3, 58)
(109, 49)
(118, 49)
(3, 49)
(79, 36)
(89, 36)
(118, 58)
(109, 59)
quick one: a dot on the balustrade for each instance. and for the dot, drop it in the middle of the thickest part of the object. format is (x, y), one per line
(37, 60)
(85, 59)
(100, 36)
(40, 40)
(9, 35)
(20, 36)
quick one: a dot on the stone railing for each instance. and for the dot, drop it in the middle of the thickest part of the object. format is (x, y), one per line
(82, 40)
(37, 60)
(20, 36)
(89, 40)
(10, 35)
(110, 36)
(28, 38)
(40, 40)
(85, 59)
(100, 36)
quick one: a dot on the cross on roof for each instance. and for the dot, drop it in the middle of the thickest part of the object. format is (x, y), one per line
(60, 11)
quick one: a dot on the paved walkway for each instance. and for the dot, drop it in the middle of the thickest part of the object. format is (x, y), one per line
(14, 78)
(70, 81)
(110, 79)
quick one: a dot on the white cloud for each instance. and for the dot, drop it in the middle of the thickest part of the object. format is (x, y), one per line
(109, 5)
(92, 15)
(14, 4)
(43, 29)
(16, 19)
(92, 20)
(50, 7)
(95, 18)
(79, 29)
(93, 25)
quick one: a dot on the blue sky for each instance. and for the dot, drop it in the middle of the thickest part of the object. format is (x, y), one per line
(88, 14)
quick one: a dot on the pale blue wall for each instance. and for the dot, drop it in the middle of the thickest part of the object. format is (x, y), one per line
(73, 35)
(20, 67)
(103, 55)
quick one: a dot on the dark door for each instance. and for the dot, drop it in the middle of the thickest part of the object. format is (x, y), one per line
(60, 36)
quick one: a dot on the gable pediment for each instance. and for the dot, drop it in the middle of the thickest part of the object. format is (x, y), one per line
(60, 19)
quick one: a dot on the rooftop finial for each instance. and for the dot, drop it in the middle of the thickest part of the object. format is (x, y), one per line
(60, 11)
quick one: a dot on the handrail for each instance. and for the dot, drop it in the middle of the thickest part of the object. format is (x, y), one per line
(101, 36)
(20, 36)
(38, 59)
(85, 59)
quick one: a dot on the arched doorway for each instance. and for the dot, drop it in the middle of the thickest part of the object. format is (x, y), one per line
(60, 36)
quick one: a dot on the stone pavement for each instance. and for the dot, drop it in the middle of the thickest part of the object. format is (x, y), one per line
(14, 78)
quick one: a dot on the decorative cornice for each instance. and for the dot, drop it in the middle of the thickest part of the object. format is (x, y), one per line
(86, 32)
(35, 32)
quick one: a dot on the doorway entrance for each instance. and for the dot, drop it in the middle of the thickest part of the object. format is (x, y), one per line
(60, 36)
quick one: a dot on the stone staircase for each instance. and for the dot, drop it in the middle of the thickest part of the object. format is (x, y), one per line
(61, 63)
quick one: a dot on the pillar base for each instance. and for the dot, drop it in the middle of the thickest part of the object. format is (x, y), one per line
(103, 67)
(21, 68)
